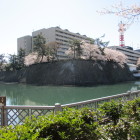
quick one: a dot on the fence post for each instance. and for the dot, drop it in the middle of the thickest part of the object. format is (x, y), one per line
(3, 111)
(130, 95)
(2, 115)
(137, 94)
(58, 107)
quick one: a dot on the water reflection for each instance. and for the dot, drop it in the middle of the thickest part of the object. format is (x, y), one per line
(20, 94)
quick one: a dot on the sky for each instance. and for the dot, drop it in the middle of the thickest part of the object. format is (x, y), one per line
(21, 17)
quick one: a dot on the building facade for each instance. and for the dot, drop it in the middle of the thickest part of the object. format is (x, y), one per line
(132, 55)
(25, 43)
(54, 34)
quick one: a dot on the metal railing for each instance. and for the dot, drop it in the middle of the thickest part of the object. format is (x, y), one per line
(13, 115)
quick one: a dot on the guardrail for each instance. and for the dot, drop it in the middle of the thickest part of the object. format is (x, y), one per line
(94, 103)
(13, 115)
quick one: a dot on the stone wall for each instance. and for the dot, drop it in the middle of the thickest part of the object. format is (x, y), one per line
(70, 72)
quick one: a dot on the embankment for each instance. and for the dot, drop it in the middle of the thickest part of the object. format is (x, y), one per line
(70, 72)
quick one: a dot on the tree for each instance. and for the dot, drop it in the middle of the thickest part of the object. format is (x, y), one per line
(130, 13)
(21, 58)
(138, 63)
(75, 46)
(52, 48)
(13, 62)
(16, 62)
(50, 54)
(2, 61)
(40, 46)
(101, 44)
(91, 51)
(116, 56)
(94, 52)
(31, 59)
(55, 47)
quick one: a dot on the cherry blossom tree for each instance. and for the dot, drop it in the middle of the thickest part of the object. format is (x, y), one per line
(31, 59)
(114, 55)
(91, 51)
(138, 62)
(50, 54)
(69, 53)
(130, 13)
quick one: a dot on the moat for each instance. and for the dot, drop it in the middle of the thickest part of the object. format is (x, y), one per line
(21, 94)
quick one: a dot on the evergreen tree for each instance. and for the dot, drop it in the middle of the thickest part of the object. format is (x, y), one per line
(13, 62)
(2, 61)
(76, 48)
(40, 46)
(21, 58)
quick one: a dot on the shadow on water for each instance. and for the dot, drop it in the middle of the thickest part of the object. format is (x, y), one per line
(20, 94)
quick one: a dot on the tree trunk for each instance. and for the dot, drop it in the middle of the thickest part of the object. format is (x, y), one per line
(41, 58)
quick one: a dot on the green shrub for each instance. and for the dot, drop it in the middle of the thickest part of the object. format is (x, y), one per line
(132, 110)
(71, 125)
(67, 125)
(135, 131)
(116, 132)
(112, 120)
(110, 111)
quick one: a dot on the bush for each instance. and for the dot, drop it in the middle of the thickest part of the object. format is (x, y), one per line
(111, 111)
(110, 121)
(132, 110)
(67, 125)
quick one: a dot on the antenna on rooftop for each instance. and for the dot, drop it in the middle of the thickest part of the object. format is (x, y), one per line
(121, 30)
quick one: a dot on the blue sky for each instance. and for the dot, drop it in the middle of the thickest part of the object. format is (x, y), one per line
(20, 17)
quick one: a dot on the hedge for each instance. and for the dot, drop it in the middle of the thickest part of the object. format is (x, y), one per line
(113, 120)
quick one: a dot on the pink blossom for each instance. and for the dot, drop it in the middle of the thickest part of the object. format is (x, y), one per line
(33, 58)
(115, 55)
(138, 62)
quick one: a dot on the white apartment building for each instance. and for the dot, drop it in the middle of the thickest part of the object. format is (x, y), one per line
(25, 43)
(132, 55)
(55, 34)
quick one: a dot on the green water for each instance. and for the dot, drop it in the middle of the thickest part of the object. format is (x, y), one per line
(20, 94)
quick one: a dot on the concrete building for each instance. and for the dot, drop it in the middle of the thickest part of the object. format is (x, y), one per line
(63, 37)
(55, 34)
(132, 67)
(25, 43)
(132, 55)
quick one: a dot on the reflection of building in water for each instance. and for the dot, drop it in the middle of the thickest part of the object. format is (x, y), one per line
(32, 103)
